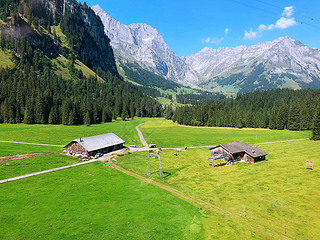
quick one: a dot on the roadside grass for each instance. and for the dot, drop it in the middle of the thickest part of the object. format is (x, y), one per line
(61, 134)
(15, 168)
(167, 134)
(273, 199)
(8, 149)
(94, 202)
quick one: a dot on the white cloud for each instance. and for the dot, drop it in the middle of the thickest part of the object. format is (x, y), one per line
(284, 22)
(250, 35)
(262, 27)
(217, 40)
(270, 27)
(205, 40)
(288, 11)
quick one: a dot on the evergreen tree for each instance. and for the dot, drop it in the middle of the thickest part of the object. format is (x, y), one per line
(132, 110)
(87, 120)
(294, 117)
(282, 118)
(316, 127)
(72, 116)
(124, 114)
(29, 112)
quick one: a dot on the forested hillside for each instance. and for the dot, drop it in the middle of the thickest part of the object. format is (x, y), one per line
(274, 109)
(49, 42)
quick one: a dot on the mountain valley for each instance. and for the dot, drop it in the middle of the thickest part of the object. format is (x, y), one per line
(281, 63)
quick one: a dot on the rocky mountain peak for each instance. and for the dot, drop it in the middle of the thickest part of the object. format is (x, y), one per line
(283, 62)
(144, 45)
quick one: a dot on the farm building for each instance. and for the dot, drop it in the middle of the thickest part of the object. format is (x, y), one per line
(90, 146)
(237, 151)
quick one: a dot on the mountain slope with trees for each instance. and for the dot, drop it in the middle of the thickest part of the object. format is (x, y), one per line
(32, 90)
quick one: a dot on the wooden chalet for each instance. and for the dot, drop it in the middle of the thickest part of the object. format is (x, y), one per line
(238, 151)
(90, 146)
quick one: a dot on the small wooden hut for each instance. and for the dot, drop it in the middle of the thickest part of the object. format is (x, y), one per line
(238, 151)
(90, 146)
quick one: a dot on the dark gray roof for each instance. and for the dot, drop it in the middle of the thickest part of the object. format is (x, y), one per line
(241, 146)
(99, 142)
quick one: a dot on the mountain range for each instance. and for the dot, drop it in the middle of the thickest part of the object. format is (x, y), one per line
(281, 63)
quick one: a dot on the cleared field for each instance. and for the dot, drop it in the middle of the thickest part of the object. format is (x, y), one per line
(94, 202)
(273, 199)
(60, 134)
(8, 149)
(20, 167)
(167, 134)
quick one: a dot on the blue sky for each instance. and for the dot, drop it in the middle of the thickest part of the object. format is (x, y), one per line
(190, 25)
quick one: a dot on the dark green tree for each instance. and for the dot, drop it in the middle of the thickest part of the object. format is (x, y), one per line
(87, 120)
(294, 117)
(316, 127)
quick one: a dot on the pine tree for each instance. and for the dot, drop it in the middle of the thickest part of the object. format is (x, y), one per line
(29, 112)
(87, 120)
(316, 126)
(72, 117)
(294, 117)
(282, 118)
(132, 110)
(124, 114)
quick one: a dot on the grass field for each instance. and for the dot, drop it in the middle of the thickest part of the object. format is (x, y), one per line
(61, 135)
(20, 167)
(273, 199)
(167, 134)
(94, 202)
(8, 149)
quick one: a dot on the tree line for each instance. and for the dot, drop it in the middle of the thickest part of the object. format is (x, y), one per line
(275, 109)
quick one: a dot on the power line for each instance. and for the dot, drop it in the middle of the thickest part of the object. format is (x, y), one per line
(272, 12)
(296, 11)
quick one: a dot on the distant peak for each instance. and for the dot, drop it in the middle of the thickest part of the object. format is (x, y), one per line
(206, 49)
(141, 25)
(286, 38)
(97, 7)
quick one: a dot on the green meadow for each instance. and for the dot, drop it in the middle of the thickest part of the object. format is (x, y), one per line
(94, 202)
(167, 134)
(8, 149)
(273, 199)
(61, 134)
(15, 168)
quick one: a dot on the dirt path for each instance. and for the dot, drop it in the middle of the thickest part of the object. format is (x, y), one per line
(46, 171)
(196, 201)
(21, 156)
(143, 141)
(37, 144)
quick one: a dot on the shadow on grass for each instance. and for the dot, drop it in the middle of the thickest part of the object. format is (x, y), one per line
(171, 172)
